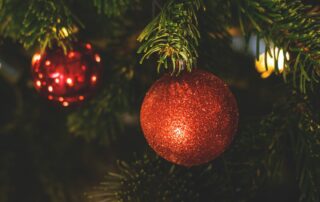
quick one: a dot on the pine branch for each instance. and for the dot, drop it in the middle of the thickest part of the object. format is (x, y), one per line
(173, 35)
(294, 124)
(291, 25)
(150, 179)
(307, 150)
(47, 22)
(100, 119)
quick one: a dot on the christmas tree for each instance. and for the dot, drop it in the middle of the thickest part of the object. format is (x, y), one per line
(159, 100)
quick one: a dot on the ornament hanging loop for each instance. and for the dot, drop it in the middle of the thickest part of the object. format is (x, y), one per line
(181, 66)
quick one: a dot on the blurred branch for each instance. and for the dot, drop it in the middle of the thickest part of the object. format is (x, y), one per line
(101, 118)
(113, 7)
(1, 3)
(9, 72)
(295, 124)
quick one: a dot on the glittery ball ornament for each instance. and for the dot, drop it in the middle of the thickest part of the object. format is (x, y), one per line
(67, 78)
(190, 119)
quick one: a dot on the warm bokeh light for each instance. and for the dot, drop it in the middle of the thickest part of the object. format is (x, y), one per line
(94, 78)
(55, 75)
(36, 58)
(38, 83)
(97, 58)
(88, 46)
(50, 88)
(266, 66)
(65, 104)
(48, 63)
(71, 54)
(81, 97)
(69, 81)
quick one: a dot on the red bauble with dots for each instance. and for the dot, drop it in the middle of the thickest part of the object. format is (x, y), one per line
(67, 78)
(190, 119)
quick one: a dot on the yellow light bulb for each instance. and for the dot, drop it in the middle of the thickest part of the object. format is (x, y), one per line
(265, 65)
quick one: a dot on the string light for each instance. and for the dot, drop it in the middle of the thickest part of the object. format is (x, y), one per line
(272, 61)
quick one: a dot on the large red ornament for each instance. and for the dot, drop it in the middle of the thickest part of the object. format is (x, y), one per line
(190, 119)
(67, 78)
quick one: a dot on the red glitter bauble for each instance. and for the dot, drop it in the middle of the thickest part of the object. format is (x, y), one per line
(190, 119)
(67, 78)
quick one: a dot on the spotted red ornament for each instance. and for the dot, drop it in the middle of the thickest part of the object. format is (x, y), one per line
(190, 119)
(67, 78)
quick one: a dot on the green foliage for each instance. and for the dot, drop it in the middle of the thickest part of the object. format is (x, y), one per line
(100, 120)
(230, 178)
(295, 124)
(173, 35)
(150, 179)
(113, 7)
(291, 25)
(38, 22)
(47, 22)
(11, 16)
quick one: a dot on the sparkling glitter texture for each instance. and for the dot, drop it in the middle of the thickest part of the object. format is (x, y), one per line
(66, 78)
(190, 119)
